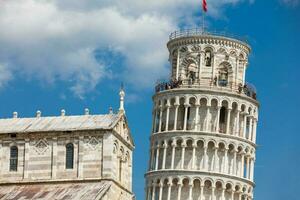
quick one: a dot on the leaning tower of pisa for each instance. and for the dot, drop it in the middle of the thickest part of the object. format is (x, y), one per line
(204, 121)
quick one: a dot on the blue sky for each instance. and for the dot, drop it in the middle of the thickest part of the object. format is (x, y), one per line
(73, 55)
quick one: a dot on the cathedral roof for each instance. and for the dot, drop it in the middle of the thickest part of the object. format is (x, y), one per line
(58, 123)
(51, 191)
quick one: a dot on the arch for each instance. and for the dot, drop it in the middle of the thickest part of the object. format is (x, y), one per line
(222, 51)
(208, 56)
(190, 66)
(69, 156)
(233, 53)
(13, 165)
(225, 74)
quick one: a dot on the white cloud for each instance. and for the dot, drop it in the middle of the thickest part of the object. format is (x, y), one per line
(5, 75)
(51, 40)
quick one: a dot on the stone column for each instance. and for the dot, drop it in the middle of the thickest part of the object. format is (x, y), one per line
(161, 185)
(201, 192)
(242, 165)
(175, 117)
(186, 107)
(215, 159)
(205, 167)
(151, 159)
(225, 164)
(160, 118)
(179, 191)
(153, 191)
(148, 192)
(80, 157)
(250, 135)
(218, 120)
(167, 117)
(165, 146)
(245, 126)
(183, 146)
(153, 120)
(254, 130)
(223, 194)
(194, 155)
(169, 190)
(232, 194)
(213, 196)
(197, 118)
(238, 123)
(157, 157)
(173, 154)
(248, 167)
(191, 191)
(240, 196)
(228, 121)
(234, 162)
(252, 169)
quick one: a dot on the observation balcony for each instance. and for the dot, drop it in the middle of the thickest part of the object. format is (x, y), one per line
(223, 85)
(204, 33)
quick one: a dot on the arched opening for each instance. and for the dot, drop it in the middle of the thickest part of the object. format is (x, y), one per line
(191, 71)
(210, 155)
(171, 115)
(191, 115)
(13, 165)
(230, 161)
(164, 116)
(165, 189)
(69, 156)
(218, 190)
(178, 151)
(203, 111)
(185, 189)
(208, 57)
(196, 189)
(188, 157)
(207, 190)
(174, 188)
(225, 74)
(222, 121)
(181, 114)
(221, 158)
(169, 155)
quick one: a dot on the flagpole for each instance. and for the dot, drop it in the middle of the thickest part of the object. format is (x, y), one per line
(203, 20)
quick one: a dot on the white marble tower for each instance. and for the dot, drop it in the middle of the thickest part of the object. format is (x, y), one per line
(203, 138)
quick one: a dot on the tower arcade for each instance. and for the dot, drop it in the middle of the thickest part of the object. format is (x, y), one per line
(203, 137)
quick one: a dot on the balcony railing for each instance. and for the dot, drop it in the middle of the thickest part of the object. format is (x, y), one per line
(201, 32)
(247, 89)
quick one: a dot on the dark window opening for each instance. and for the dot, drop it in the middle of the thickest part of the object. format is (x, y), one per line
(69, 156)
(13, 165)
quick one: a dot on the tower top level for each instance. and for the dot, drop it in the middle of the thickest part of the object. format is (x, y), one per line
(201, 59)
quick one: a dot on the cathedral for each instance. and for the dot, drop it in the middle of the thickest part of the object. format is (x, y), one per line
(86, 157)
(203, 139)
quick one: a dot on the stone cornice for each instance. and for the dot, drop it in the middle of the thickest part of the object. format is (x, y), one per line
(176, 172)
(211, 91)
(201, 133)
(209, 39)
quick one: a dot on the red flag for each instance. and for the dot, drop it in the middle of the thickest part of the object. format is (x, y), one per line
(204, 5)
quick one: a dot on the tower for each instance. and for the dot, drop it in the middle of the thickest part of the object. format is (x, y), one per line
(203, 137)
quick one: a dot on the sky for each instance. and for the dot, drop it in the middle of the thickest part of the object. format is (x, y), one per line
(74, 54)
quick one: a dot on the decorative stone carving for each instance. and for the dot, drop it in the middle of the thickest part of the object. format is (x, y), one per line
(93, 143)
(41, 146)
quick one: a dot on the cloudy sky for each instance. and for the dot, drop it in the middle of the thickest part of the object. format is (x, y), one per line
(74, 54)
